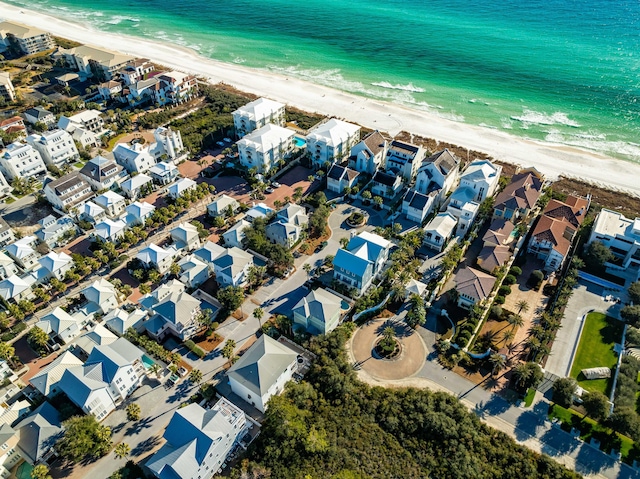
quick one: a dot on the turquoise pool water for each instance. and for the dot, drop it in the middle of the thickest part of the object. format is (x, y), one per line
(147, 361)
(344, 305)
(299, 142)
(24, 471)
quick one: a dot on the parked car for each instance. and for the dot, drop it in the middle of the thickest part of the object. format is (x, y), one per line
(275, 184)
(269, 190)
(182, 372)
(220, 143)
(228, 140)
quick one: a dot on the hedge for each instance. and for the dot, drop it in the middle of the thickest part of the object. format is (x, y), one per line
(195, 349)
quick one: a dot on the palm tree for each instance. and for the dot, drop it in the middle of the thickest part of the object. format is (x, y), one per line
(522, 373)
(498, 361)
(133, 412)
(228, 349)
(523, 306)
(515, 320)
(258, 313)
(307, 268)
(155, 369)
(508, 336)
(122, 450)
(195, 376)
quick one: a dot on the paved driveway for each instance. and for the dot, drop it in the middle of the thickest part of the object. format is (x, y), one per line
(586, 297)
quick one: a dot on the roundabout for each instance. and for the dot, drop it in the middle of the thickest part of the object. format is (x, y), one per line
(384, 356)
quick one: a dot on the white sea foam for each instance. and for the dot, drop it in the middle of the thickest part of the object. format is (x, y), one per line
(239, 60)
(595, 141)
(117, 19)
(408, 87)
(531, 117)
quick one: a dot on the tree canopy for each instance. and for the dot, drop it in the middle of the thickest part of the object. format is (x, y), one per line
(84, 437)
(333, 426)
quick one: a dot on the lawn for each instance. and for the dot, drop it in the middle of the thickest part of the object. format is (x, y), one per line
(599, 335)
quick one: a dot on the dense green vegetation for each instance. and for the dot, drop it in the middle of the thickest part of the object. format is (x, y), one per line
(280, 258)
(333, 426)
(599, 335)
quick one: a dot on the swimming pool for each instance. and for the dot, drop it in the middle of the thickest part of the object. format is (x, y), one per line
(206, 305)
(299, 142)
(147, 361)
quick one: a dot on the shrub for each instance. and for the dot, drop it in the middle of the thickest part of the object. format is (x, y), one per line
(496, 311)
(510, 279)
(463, 338)
(504, 290)
(499, 300)
(535, 280)
(194, 348)
(515, 271)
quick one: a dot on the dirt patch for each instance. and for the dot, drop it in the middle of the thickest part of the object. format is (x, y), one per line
(28, 216)
(239, 315)
(210, 343)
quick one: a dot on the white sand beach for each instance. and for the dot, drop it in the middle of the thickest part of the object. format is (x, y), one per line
(552, 160)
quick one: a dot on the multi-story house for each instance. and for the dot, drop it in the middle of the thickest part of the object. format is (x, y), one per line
(6, 233)
(62, 326)
(110, 231)
(186, 237)
(416, 206)
(135, 157)
(262, 371)
(176, 314)
(473, 286)
(340, 177)
(319, 312)
(283, 233)
(54, 230)
(223, 205)
(23, 252)
(180, 187)
(137, 185)
(109, 375)
(437, 175)
(56, 147)
(90, 120)
(8, 267)
(14, 126)
(110, 89)
(38, 434)
(193, 271)
(176, 87)
(113, 203)
(198, 441)
(439, 230)
(265, 147)
(67, 192)
(168, 143)
(102, 173)
(102, 294)
(256, 114)
(234, 236)
(386, 185)
(7, 92)
(520, 196)
(138, 213)
(554, 233)
(404, 159)
(54, 265)
(622, 236)
(164, 173)
(369, 155)
(40, 115)
(361, 261)
(482, 177)
(331, 142)
(21, 160)
(135, 71)
(157, 257)
(463, 206)
(28, 40)
(232, 267)
(16, 288)
(95, 62)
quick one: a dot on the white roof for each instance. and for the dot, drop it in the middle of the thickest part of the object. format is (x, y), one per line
(334, 132)
(611, 223)
(266, 138)
(48, 376)
(22, 247)
(181, 186)
(21, 31)
(99, 291)
(91, 209)
(85, 116)
(479, 170)
(136, 182)
(107, 229)
(260, 108)
(375, 239)
(14, 285)
(108, 198)
(443, 224)
(155, 254)
(54, 261)
(140, 209)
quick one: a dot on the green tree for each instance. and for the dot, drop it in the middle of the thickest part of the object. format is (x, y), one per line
(133, 412)
(258, 313)
(40, 471)
(84, 437)
(515, 321)
(122, 450)
(522, 306)
(195, 376)
(563, 391)
(498, 363)
(596, 256)
(174, 269)
(366, 195)
(154, 276)
(37, 338)
(596, 405)
(144, 288)
(378, 201)
(307, 269)
(527, 375)
(231, 297)
(417, 315)
(228, 350)
(634, 292)
(631, 315)
(7, 352)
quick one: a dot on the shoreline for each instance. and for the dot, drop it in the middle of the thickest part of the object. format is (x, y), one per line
(553, 160)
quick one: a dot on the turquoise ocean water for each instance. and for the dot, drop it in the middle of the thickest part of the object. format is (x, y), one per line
(566, 71)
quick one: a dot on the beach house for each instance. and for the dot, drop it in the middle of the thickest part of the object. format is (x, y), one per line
(38, 114)
(113, 203)
(341, 177)
(168, 143)
(463, 206)
(175, 314)
(473, 286)
(134, 157)
(103, 173)
(136, 186)
(186, 237)
(318, 312)
(386, 185)
(21, 160)
(257, 114)
(361, 261)
(164, 173)
(28, 40)
(553, 235)
(404, 159)
(439, 230)
(265, 147)
(56, 147)
(7, 92)
(482, 177)
(262, 371)
(416, 206)
(223, 205)
(234, 236)
(68, 191)
(198, 441)
(369, 154)
(138, 213)
(158, 258)
(331, 142)
(519, 197)
(232, 267)
(438, 174)
(23, 252)
(180, 187)
(93, 61)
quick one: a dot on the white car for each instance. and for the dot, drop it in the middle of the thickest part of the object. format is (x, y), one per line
(275, 184)
(228, 140)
